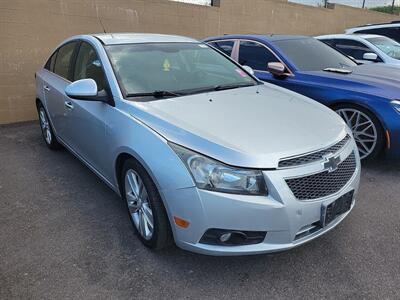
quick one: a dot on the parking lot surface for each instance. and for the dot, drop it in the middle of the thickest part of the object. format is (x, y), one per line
(65, 234)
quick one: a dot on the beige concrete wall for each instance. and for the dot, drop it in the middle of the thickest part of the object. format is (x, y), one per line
(30, 29)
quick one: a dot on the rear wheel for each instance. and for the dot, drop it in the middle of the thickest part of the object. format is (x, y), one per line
(145, 207)
(366, 128)
(47, 130)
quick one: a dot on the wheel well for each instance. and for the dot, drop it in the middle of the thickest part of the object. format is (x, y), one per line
(122, 157)
(38, 101)
(383, 128)
(381, 123)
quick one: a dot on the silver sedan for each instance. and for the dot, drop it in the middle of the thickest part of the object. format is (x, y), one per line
(202, 152)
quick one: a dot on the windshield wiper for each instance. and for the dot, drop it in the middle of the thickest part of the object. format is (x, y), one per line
(231, 86)
(155, 94)
(337, 70)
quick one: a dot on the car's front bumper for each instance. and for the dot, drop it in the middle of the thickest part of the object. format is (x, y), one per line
(279, 214)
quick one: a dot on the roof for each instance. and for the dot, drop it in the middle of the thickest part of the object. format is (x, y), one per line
(347, 36)
(375, 24)
(136, 38)
(268, 37)
(372, 26)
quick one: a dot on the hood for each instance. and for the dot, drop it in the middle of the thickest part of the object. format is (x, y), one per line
(249, 127)
(378, 70)
(373, 79)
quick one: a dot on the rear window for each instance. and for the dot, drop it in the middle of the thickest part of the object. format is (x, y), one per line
(50, 63)
(63, 60)
(224, 46)
(392, 32)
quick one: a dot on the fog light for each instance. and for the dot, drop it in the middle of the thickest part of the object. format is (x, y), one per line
(225, 237)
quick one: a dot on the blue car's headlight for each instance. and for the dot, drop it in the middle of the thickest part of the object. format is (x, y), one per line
(396, 105)
(212, 175)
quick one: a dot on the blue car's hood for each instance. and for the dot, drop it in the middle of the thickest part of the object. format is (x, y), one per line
(373, 79)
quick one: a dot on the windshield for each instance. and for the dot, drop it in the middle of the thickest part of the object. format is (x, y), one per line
(389, 46)
(173, 67)
(309, 54)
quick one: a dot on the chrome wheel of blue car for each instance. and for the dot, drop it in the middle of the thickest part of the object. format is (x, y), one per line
(364, 130)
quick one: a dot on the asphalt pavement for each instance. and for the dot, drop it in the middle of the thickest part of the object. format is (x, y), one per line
(65, 235)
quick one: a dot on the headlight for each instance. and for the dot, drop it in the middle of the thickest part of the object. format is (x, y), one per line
(212, 175)
(396, 105)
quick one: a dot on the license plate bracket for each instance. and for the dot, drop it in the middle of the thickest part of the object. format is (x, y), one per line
(330, 211)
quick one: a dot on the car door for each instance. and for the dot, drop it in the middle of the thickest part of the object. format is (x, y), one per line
(87, 119)
(54, 84)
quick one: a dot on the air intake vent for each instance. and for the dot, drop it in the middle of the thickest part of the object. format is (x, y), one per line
(325, 183)
(313, 157)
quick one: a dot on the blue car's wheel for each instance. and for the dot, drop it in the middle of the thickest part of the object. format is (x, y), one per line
(366, 128)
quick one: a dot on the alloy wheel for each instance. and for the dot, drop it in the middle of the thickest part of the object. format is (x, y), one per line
(138, 204)
(364, 130)
(45, 126)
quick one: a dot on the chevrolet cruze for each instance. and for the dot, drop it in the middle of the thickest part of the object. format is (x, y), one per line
(202, 152)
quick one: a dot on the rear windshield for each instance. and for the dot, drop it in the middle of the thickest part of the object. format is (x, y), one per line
(309, 54)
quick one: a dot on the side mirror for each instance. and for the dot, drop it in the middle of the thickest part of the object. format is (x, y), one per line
(249, 69)
(83, 89)
(277, 69)
(370, 56)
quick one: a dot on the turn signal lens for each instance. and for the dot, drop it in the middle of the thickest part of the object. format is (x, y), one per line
(181, 222)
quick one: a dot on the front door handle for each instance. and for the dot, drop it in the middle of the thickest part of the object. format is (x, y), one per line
(46, 88)
(69, 105)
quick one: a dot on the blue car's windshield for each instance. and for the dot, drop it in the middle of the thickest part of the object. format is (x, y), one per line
(173, 69)
(387, 45)
(309, 54)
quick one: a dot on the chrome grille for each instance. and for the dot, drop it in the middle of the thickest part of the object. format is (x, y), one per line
(313, 157)
(324, 183)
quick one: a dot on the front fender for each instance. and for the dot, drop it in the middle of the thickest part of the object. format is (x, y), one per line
(130, 136)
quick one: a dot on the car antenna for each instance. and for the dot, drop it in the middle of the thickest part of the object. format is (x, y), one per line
(101, 23)
(98, 18)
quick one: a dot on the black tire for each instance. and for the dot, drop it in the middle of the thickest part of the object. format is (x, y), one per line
(162, 234)
(380, 136)
(47, 130)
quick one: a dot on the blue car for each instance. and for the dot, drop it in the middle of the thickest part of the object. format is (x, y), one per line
(366, 96)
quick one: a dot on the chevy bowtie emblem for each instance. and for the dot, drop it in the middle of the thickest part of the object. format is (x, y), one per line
(331, 163)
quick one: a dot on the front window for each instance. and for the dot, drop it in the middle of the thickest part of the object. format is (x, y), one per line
(352, 48)
(173, 67)
(309, 54)
(88, 66)
(255, 55)
(388, 46)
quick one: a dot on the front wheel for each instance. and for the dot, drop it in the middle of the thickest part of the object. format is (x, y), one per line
(145, 207)
(366, 128)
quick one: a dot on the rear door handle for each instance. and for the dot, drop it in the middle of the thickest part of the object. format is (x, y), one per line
(69, 105)
(46, 88)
